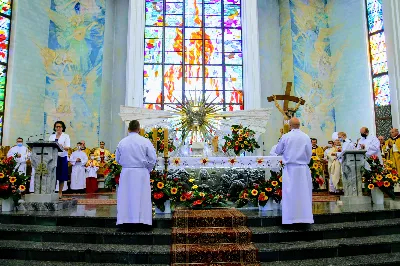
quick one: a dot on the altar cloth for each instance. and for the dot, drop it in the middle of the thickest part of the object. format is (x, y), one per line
(221, 162)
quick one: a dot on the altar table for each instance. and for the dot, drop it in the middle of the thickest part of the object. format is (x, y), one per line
(221, 162)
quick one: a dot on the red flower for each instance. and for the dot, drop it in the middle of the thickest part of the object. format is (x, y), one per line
(279, 192)
(107, 171)
(3, 187)
(176, 179)
(374, 157)
(197, 202)
(256, 186)
(117, 179)
(379, 183)
(158, 195)
(320, 181)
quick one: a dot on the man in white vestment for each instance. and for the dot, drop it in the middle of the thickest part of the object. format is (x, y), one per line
(295, 147)
(346, 144)
(369, 143)
(78, 161)
(137, 157)
(272, 152)
(20, 154)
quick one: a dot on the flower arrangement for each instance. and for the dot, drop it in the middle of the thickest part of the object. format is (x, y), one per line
(197, 198)
(317, 172)
(260, 192)
(242, 139)
(164, 188)
(380, 176)
(160, 140)
(112, 172)
(12, 183)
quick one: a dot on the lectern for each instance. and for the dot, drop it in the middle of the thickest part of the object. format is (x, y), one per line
(352, 164)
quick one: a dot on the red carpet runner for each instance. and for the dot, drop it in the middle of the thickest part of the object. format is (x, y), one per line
(211, 237)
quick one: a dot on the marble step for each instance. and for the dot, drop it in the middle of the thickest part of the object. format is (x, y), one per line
(273, 234)
(82, 252)
(328, 248)
(211, 235)
(92, 235)
(392, 259)
(60, 263)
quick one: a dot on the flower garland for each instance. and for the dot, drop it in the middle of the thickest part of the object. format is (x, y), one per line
(242, 139)
(160, 140)
(317, 172)
(12, 183)
(380, 176)
(112, 172)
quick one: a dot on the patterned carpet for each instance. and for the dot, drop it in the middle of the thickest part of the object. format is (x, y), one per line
(210, 237)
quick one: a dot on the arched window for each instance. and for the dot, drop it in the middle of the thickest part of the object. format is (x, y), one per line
(379, 67)
(193, 49)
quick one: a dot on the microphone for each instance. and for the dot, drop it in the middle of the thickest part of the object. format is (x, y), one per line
(37, 135)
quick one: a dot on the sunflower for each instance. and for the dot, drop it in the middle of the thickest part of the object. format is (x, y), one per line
(280, 179)
(379, 177)
(237, 143)
(268, 189)
(389, 176)
(242, 145)
(386, 184)
(229, 143)
(22, 188)
(254, 192)
(1, 175)
(174, 190)
(371, 186)
(395, 178)
(315, 158)
(274, 183)
(160, 185)
(195, 187)
(182, 198)
(113, 156)
(114, 162)
(315, 166)
(13, 179)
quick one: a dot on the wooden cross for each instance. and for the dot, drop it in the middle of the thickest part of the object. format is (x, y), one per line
(287, 98)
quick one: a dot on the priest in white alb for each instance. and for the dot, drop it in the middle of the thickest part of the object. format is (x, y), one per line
(20, 154)
(137, 157)
(369, 143)
(78, 160)
(295, 147)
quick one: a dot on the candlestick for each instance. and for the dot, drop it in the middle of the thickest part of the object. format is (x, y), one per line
(155, 138)
(165, 142)
(141, 132)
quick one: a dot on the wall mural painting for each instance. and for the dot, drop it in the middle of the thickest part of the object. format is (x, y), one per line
(314, 65)
(73, 65)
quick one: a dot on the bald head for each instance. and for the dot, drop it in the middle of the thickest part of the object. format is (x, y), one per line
(364, 131)
(294, 123)
(394, 132)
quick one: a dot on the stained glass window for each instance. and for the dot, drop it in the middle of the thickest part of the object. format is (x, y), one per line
(379, 66)
(193, 49)
(5, 27)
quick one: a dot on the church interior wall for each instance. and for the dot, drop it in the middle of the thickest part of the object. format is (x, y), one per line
(352, 87)
(270, 65)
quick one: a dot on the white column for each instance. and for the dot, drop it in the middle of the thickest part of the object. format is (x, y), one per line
(391, 22)
(135, 60)
(251, 55)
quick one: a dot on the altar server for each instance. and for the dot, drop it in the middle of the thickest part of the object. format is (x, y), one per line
(78, 161)
(20, 154)
(137, 157)
(295, 147)
(370, 144)
(91, 174)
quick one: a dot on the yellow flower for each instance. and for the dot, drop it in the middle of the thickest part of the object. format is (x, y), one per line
(201, 194)
(195, 187)
(395, 178)
(229, 143)
(192, 180)
(1, 175)
(114, 162)
(151, 180)
(245, 142)
(22, 188)
(242, 145)
(389, 162)
(240, 139)
(113, 156)
(174, 190)
(315, 166)
(240, 135)
(13, 179)
(182, 198)
(160, 130)
(389, 176)
(386, 184)
(315, 158)
(274, 183)
(146, 135)
(379, 177)
(389, 168)
(371, 186)
(160, 185)
(254, 192)
(268, 189)
(237, 143)
(280, 179)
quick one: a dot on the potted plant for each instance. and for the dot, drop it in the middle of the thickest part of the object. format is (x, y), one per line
(112, 173)
(242, 139)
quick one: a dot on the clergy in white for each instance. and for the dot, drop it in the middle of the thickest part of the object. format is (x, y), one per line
(295, 147)
(78, 161)
(346, 144)
(369, 143)
(20, 153)
(137, 157)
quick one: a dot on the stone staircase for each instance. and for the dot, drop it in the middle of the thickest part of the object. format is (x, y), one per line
(348, 238)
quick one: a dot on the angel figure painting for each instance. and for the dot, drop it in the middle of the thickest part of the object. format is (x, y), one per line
(73, 65)
(314, 65)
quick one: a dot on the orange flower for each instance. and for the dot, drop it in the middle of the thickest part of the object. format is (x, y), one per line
(160, 185)
(371, 186)
(274, 183)
(13, 179)
(204, 161)
(182, 198)
(174, 190)
(268, 189)
(22, 188)
(280, 179)
(379, 177)
(245, 195)
(386, 184)
(240, 139)
(395, 178)
(1, 175)
(254, 192)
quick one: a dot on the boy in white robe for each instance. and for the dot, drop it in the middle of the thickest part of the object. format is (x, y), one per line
(295, 147)
(20, 154)
(137, 157)
(92, 166)
(78, 161)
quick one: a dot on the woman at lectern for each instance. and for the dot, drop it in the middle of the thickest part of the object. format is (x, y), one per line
(62, 162)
